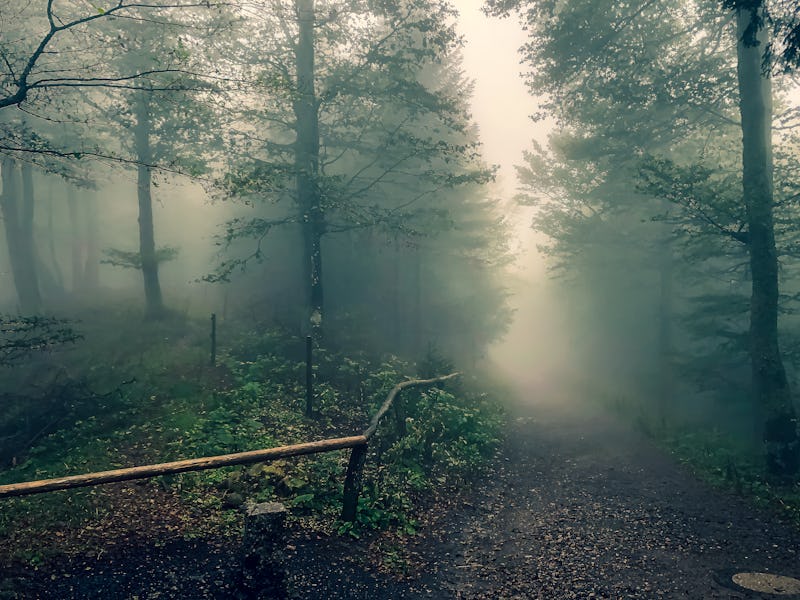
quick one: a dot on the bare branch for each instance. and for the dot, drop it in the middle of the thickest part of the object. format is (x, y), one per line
(80, 154)
(24, 86)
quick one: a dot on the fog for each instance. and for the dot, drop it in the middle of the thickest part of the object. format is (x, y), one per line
(536, 221)
(548, 235)
(231, 226)
(533, 354)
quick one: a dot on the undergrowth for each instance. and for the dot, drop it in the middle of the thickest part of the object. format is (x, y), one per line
(722, 458)
(173, 405)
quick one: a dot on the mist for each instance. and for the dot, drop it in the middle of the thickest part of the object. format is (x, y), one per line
(357, 299)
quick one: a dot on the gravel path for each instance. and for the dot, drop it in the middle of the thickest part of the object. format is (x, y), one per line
(577, 507)
(583, 508)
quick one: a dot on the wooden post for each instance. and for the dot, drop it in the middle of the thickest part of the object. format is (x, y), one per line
(309, 377)
(263, 552)
(361, 372)
(400, 415)
(352, 482)
(213, 339)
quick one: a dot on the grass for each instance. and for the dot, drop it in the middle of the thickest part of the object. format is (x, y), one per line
(722, 460)
(721, 457)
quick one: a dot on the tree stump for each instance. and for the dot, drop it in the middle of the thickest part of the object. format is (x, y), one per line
(263, 556)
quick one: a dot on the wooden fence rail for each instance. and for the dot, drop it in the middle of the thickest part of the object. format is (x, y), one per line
(353, 477)
(180, 466)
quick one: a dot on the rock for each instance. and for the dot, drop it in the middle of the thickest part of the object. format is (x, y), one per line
(263, 556)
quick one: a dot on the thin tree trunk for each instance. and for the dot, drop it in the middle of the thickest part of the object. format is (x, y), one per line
(76, 242)
(8, 200)
(312, 218)
(154, 304)
(396, 326)
(27, 241)
(417, 321)
(665, 388)
(51, 239)
(91, 268)
(16, 203)
(770, 385)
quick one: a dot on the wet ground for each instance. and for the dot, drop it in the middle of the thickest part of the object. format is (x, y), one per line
(576, 507)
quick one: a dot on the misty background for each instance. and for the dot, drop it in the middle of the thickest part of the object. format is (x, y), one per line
(587, 204)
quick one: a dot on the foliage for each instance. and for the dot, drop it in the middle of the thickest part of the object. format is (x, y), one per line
(447, 437)
(725, 462)
(399, 182)
(133, 260)
(22, 336)
(55, 85)
(646, 194)
(720, 453)
(177, 409)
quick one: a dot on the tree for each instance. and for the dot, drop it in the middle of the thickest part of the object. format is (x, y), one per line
(306, 155)
(16, 203)
(159, 128)
(770, 384)
(667, 108)
(625, 82)
(39, 73)
(42, 62)
(349, 134)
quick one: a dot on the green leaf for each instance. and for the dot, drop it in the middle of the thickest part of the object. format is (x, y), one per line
(302, 500)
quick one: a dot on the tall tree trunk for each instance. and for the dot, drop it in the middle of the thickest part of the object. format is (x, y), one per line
(665, 387)
(396, 326)
(771, 388)
(417, 320)
(51, 238)
(154, 304)
(76, 250)
(16, 203)
(27, 241)
(91, 268)
(306, 109)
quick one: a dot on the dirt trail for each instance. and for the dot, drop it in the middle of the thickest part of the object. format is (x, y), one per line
(577, 507)
(582, 507)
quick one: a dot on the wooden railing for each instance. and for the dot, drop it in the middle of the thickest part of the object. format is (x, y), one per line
(353, 477)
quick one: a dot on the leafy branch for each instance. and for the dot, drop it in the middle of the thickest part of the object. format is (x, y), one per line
(133, 260)
(22, 336)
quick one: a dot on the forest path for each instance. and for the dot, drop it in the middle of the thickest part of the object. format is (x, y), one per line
(576, 506)
(580, 506)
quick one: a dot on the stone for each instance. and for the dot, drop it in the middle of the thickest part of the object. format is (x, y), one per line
(263, 552)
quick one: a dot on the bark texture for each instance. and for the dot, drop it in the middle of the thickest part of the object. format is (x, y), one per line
(771, 388)
(312, 218)
(179, 466)
(154, 304)
(17, 204)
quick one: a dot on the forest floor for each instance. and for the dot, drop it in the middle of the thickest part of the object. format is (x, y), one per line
(577, 506)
